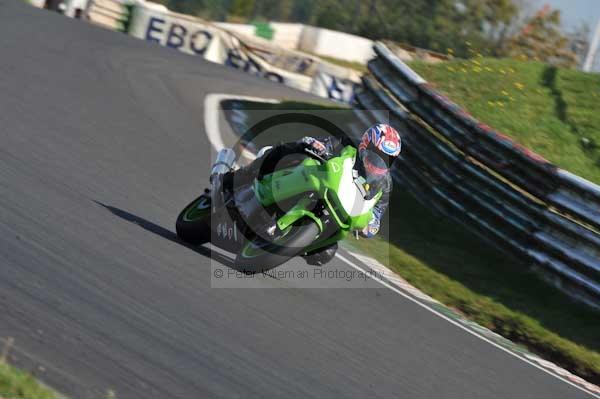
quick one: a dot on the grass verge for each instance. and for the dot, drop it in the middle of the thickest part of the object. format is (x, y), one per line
(550, 110)
(16, 384)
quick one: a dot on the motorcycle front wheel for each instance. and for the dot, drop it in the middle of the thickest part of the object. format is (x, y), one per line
(193, 223)
(259, 254)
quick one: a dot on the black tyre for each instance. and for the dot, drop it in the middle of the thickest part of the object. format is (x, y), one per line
(258, 254)
(193, 223)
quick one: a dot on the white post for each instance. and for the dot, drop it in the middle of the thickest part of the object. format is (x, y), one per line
(591, 55)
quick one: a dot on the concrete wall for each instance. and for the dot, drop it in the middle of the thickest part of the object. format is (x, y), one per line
(194, 36)
(155, 23)
(313, 40)
(285, 35)
(336, 44)
(215, 42)
(241, 29)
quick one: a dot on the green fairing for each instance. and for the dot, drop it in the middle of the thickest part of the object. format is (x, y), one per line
(322, 179)
(296, 213)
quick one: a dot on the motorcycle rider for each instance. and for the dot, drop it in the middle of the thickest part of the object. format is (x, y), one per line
(378, 148)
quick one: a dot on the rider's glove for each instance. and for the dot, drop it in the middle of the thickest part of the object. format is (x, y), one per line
(372, 228)
(316, 146)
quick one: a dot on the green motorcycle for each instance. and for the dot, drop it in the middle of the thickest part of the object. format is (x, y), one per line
(291, 211)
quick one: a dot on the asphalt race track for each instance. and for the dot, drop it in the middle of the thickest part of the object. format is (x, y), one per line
(101, 145)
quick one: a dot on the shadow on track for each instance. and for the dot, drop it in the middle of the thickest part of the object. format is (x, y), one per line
(169, 235)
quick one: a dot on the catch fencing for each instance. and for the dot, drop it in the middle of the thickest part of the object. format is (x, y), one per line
(462, 168)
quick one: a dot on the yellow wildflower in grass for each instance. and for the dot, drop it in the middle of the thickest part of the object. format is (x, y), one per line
(519, 86)
(487, 68)
(511, 98)
(491, 103)
(450, 51)
(504, 92)
(464, 70)
(502, 71)
(477, 69)
(511, 70)
(451, 69)
(500, 104)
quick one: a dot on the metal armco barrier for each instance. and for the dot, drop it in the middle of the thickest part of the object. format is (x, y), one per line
(509, 195)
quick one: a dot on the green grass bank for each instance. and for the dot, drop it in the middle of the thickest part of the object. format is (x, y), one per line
(17, 384)
(553, 111)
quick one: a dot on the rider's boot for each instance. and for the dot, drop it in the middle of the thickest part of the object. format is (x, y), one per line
(321, 256)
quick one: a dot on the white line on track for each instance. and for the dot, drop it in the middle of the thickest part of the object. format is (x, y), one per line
(211, 124)
(459, 325)
(211, 114)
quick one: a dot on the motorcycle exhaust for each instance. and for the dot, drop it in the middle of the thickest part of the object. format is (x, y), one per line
(224, 162)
